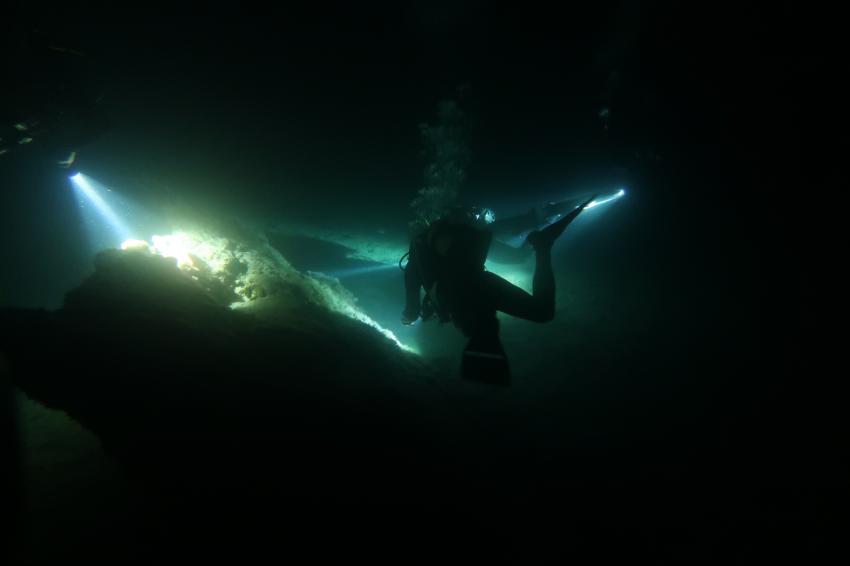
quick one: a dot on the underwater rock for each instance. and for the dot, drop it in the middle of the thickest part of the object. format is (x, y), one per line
(287, 398)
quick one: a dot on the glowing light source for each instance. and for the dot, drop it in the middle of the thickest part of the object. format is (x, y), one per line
(132, 245)
(618, 194)
(177, 246)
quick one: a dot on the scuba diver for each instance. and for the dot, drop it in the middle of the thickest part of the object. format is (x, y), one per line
(447, 261)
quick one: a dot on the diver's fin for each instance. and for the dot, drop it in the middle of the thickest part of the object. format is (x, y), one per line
(486, 362)
(544, 238)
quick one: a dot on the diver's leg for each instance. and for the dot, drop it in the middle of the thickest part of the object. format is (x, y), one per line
(540, 305)
(543, 286)
(412, 286)
(510, 299)
(484, 359)
(546, 237)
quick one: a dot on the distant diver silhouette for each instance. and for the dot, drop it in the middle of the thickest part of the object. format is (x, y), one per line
(447, 261)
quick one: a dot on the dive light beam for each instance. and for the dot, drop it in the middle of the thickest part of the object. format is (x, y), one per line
(620, 193)
(354, 271)
(86, 188)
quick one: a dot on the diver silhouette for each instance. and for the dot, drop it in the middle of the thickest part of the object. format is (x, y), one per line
(447, 261)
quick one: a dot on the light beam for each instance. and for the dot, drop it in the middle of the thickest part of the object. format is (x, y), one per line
(619, 194)
(88, 190)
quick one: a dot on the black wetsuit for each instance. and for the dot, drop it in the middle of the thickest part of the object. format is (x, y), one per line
(463, 291)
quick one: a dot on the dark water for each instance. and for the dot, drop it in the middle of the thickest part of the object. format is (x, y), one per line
(650, 418)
